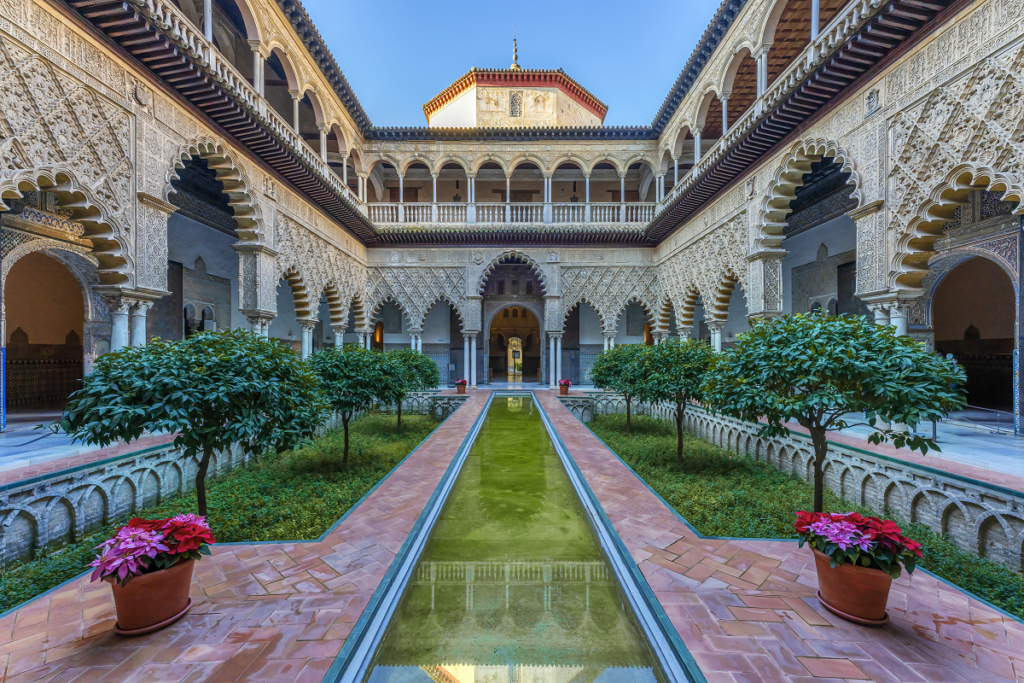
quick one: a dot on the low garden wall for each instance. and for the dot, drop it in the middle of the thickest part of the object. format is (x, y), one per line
(58, 508)
(979, 517)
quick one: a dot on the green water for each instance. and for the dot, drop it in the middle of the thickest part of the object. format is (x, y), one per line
(512, 586)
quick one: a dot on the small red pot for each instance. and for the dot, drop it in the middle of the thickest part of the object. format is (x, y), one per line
(151, 601)
(460, 388)
(563, 390)
(853, 592)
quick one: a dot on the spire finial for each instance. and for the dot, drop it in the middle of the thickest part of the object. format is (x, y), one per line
(515, 51)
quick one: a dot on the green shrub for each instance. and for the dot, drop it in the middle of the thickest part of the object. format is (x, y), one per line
(295, 495)
(724, 495)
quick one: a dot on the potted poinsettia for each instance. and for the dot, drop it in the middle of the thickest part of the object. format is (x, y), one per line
(857, 558)
(148, 564)
(460, 386)
(563, 386)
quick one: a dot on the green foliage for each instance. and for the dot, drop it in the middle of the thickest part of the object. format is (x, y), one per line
(295, 495)
(673, 372)
(818, 369)
(722, 494)
(621, 369)
(351, 379)
(214, 390)
(407, 371)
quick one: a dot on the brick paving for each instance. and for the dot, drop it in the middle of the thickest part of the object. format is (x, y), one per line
(275, 611)
(747, 612)
(64, 462)
(745, 609)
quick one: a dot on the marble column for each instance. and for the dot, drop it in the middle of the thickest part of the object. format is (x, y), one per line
(472, 360)
(551, 360)
(307, 327)
(696, 146)
(558, 357)
(119, 336)
(465, 357)
(716, 327)
(137, 319)
(339, 334)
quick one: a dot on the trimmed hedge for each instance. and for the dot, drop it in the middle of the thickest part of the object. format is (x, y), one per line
(296, 495)
(724, 495)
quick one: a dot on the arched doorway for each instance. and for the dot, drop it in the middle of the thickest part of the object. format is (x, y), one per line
(973, 314)
(515, 347)
(45, 326)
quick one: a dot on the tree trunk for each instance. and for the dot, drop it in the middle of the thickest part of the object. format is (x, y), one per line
(680, 408)
(204, 464)
(399, 415)
(820, 451)
(629, 426)
(344, 423)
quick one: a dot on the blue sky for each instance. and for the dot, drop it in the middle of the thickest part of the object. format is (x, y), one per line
(398, 54)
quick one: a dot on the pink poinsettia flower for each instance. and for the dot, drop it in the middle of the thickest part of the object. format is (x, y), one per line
(122, 555)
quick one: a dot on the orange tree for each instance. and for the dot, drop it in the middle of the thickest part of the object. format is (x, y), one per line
(213, 390)
(621, 370)
(819, 370)
(672, 372)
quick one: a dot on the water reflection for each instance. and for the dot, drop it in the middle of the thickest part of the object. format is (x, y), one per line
(512, 586)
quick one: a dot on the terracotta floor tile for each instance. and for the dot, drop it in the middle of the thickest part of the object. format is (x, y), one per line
(832, 668)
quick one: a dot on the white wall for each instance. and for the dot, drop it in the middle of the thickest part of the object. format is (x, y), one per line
(737, 322)
(285, 325)
(437, 326)
(838, 235)
(591, 331)
(187, 240)
(460, 113)
(621, 337)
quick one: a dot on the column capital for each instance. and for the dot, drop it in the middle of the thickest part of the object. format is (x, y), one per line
(308, 323)
(724, 97)
(141, 307)
(715, 325)
(696, 130)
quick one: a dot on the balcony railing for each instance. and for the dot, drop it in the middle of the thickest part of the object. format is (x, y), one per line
(513, 212)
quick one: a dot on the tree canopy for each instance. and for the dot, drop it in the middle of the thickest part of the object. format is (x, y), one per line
(673, 372)
(214, 390)
(351, 379)
(410, 371)
(621, 369)
(820, 370)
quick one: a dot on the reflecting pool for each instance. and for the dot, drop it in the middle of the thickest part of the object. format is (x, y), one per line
(512, 586)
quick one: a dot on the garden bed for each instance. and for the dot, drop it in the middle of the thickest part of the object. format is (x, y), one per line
(295, 495)
(722, 494)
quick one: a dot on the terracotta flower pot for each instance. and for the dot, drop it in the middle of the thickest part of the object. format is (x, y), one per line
(151, 601)
(853, 592)
(460, 388)
(563, 390)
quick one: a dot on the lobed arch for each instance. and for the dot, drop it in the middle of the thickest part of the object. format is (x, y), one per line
(664, 315)
(303, 306)
(648, 309)
(946, 263)
(357, 304)
(686, 308)
(336, 308)
(114, 264)
(406, 310)
(503, 258)
(718, 308)
(567, 310)
(915, 242)
(232, 174)
(781, 189)
(456, 308)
